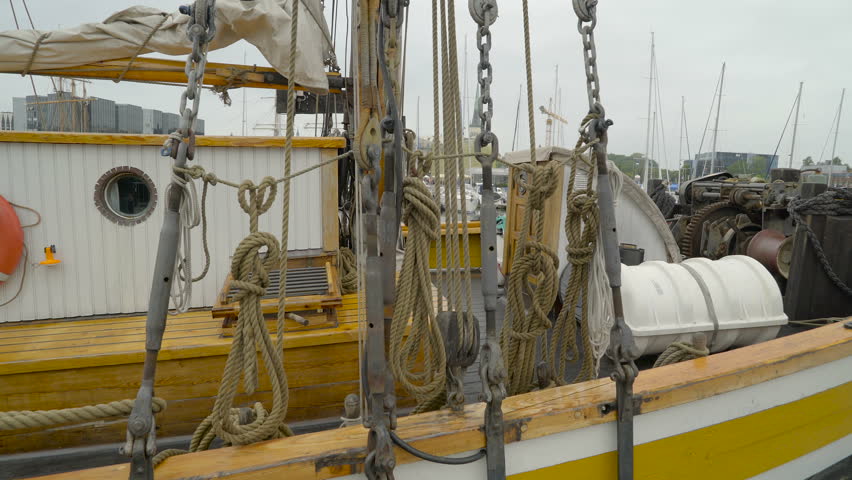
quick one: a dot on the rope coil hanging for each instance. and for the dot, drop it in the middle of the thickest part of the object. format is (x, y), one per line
(581, 230)
(414, 299)
(534, 275)
(250, 275)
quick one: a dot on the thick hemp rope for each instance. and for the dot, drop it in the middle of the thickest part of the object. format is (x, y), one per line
(348, 271)
(414, 299)
(458, 249)
(532, 260)
(16, 420)
(680, 351)
(581, 229)
(250, 275)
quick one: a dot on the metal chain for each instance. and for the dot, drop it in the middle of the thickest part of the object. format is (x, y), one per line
(586, 11)
(491, 368)
(622, 348)
(141, 428)
(201, 29)
(484, 13)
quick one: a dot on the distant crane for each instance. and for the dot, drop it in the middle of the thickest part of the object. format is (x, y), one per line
(551, 116)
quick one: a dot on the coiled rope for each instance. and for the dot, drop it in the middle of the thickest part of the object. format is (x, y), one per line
(533, 274)
(250, 275)
(680, 351)
(348, 271)
(581, 229)
(414, 299)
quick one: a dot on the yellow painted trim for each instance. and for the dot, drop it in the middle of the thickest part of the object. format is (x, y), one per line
(739, 448)
(134, 139)
(160, 70)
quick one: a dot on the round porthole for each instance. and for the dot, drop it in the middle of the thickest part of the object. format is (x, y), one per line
(125, 195)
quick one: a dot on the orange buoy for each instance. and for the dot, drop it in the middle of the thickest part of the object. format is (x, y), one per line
(11, 240)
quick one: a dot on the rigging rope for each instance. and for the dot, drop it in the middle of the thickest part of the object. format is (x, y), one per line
(16, 420)
(250, 275)
(532, 257)
(414, 298)
(581, 230)
(348, 271)
(681, 351)
(189, 218)
(601, 315)
(461, 300)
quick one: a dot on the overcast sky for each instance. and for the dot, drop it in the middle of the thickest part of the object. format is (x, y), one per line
(769, 46)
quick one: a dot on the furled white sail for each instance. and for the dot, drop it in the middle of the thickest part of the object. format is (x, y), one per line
(263, 23)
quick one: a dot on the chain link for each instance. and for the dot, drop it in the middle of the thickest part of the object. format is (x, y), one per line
(586, 11)
(201, 30)
(484, 13)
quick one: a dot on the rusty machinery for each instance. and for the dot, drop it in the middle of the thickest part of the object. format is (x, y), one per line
(719, 215)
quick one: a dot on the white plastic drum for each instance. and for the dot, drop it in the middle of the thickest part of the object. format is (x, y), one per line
(734, 301)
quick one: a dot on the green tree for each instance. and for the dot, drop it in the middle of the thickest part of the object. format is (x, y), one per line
(808, 161)
(836, 161)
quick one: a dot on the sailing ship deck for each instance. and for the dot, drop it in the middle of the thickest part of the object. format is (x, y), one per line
(65, 363)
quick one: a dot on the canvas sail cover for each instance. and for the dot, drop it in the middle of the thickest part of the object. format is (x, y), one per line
(263, 23)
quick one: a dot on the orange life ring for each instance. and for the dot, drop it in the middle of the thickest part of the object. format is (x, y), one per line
(11, 240)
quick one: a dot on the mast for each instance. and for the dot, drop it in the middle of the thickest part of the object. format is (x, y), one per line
(554, 107)
(418, 124)
(465, 93)
(716, 126)
(650, 170)
(836, 131)
(795, 125)
(680, 143)
(648, 130)
(517, 116)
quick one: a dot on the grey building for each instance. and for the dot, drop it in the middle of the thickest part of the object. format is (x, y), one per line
(19, 114)
(128, 118)
(60, 112)
(7, 121)
(152, 121)
(171, 122)
(102, 116)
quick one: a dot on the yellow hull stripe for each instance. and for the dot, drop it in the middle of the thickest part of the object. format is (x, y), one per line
(737, 449)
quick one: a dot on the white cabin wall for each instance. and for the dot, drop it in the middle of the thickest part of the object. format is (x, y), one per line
(106, 268)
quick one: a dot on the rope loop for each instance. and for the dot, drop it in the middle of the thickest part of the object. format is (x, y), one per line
(251, 273)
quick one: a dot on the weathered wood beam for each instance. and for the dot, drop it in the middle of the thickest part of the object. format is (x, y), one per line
(158, 70)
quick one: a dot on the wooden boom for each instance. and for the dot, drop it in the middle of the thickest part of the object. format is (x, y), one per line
(158, 70)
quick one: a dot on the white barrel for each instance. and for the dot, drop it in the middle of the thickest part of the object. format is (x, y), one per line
(734, 301)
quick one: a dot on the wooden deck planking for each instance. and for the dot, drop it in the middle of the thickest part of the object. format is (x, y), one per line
(68, 363)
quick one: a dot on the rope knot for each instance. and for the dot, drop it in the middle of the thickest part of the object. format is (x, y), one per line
(539, 181)
(257, 199)
(419, 210)
(249, 270)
